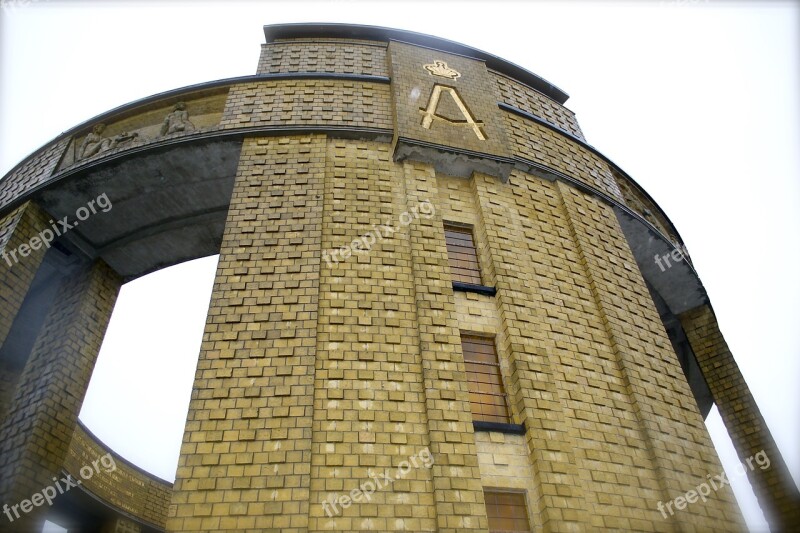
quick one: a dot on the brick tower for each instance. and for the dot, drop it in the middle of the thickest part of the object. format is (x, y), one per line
(437, 308)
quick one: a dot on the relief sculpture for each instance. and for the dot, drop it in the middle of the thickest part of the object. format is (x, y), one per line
(177, 121)
(95, 143)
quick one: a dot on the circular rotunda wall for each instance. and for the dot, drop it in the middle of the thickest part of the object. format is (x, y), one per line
(426, 275)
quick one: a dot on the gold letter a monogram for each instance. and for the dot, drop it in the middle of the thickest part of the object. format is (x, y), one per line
(429, 113)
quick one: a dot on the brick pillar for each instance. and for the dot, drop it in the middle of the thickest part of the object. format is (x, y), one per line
(457, 484)
(773, 486)
(665, 414)
(246, 455)
(537, 388)
(16, 275)
(369, 407)
(37, 431)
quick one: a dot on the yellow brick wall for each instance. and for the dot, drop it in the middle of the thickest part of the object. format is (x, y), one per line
(369, 401)
(44, 410)
(315, 375)
(544, 146)
(324, 55)
(774, 486)
(121, 485)
(307, 102)
(456, 475)
(530, 100)
(505, 464)
(246, 455)
(669, 423)
(16, 228)
(31, 172)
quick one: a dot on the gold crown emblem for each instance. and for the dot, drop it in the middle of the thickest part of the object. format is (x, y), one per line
(440, 68)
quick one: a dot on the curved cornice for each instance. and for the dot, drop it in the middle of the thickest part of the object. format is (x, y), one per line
(380, 33)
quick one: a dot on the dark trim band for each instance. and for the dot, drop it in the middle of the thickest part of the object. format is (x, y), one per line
(472, 287)
(512, 429)
(344, 132)
(524, 114)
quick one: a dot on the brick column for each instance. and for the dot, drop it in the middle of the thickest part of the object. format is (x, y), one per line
(246, 455)
(369, 407)
(37, 431)
(537, 389)
(773, 486)
(17, 228)
(458, 490)
(665, 415)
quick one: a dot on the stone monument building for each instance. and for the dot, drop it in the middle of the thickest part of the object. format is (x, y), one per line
(437, 308)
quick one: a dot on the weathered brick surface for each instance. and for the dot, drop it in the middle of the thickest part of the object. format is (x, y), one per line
(316, 375)
(307, 102)
(16, 276)
(515, 221)
(125, 487)
(670, 425)
(542, 145)
(456, 475)
(246, 455)
(38, 428)
(774, 486)
(35, 170)
(17, 272)
(527, 99)
(369, 401)
(324, 55)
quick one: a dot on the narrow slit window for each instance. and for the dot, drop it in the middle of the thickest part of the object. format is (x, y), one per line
(487, 396)
(462, 254)
(507, 511)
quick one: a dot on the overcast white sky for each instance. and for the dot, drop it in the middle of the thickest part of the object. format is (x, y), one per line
(697, 100)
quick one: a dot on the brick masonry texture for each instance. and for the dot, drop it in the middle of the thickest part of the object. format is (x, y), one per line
(16, 228)
(317, 372)
(527, 99)
(33, 171)
(773, 486)
(246, 455)
(324, 55)
(38, 427)
(369, 400)
(456, 475)
(542, 145)
(127, 488)
(307, 102)
(670, 426)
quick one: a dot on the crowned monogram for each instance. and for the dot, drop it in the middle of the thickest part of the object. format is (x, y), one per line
(440, 68)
